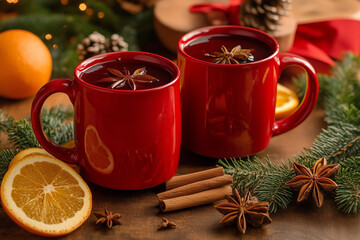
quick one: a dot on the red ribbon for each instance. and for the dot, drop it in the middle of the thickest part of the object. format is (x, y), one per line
(319, 42)
(327, 40)
(231, 10)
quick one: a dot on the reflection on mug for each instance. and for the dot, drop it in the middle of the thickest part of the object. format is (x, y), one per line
(98, 154)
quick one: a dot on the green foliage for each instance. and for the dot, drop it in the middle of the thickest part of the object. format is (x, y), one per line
(68, 26)
(339, 143)
(56, 125)
(5, 121)
(274, 191)
(348, 179)
(21, 135)
(266, 180)
(334, 143)
(5, 158)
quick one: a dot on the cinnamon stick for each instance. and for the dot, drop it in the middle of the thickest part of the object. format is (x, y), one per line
(196, 187)
(196, 199)
(181, 180)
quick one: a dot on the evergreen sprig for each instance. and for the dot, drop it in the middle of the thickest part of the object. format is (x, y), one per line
(56, 125)
(5, 157)
(348, 180)
(339, 143)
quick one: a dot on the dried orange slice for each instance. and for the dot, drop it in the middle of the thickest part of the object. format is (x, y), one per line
(45, 196)
(27, 152)
(98, 154)
(286, 102)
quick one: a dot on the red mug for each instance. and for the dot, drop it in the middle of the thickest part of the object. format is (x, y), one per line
(228, 109)
(124, 139)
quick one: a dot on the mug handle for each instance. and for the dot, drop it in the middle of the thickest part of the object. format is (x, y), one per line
(54, 86)
(310, 98)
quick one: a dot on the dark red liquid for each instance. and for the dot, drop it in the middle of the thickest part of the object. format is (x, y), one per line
(99, 71)
(212, 43)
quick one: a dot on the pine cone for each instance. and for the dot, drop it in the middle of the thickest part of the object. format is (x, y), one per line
(96, 43)
(117, 43)
(264, 14)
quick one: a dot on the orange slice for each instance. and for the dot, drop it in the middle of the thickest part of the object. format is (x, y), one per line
(27, 152)
(98, 154)
(69, 144)
(18, 157)
(286, 102)
(45, 196)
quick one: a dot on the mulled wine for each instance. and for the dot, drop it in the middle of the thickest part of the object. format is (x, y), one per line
(203, 47)
(127, 74)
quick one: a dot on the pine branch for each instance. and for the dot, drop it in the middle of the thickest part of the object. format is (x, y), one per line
(336, 143)
(266, 180)
(247, 174)
(5, 121)
(274, 191)
(343, 113)
(21, 135)
(58, 131)
(348, 191)
(55, 125)
(5, 158)
(58, 112)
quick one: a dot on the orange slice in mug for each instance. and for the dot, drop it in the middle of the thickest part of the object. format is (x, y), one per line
(98, 154)
(286, 102)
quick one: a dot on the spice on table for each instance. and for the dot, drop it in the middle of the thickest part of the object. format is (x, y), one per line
(108, 217)
(237, 55)
(316, 181)
(166, 224)
(244, 210)
(196, 199)
(195, 189)
(182, 180)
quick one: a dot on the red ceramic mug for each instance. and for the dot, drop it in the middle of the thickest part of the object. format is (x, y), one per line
(125, 139)
(228, 109)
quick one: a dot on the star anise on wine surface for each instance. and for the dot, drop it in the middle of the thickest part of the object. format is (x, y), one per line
(244, 210)
(166, 224)
(314, 182)
(235, 56)
(109, 218)
(119, 79)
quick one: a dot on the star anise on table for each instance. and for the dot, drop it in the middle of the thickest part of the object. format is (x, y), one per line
(120, 79)
(108, 217)
(166, 224)
(235, 56)
(314, 182)
(244, 210)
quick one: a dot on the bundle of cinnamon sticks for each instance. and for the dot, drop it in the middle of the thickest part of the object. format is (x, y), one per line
(195, 189)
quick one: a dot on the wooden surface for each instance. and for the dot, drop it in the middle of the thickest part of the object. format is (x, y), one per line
(141, 216)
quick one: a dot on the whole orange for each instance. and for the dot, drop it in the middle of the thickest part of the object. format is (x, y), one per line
(25, 64)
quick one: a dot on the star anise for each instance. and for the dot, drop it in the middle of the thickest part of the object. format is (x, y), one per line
(244, 210)
(120, 79)
(316, 181)
(235, 56)
(108, 217)
(166, 224)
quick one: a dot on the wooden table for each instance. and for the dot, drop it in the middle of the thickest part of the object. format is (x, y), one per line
(141, 216)
(140, 208)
